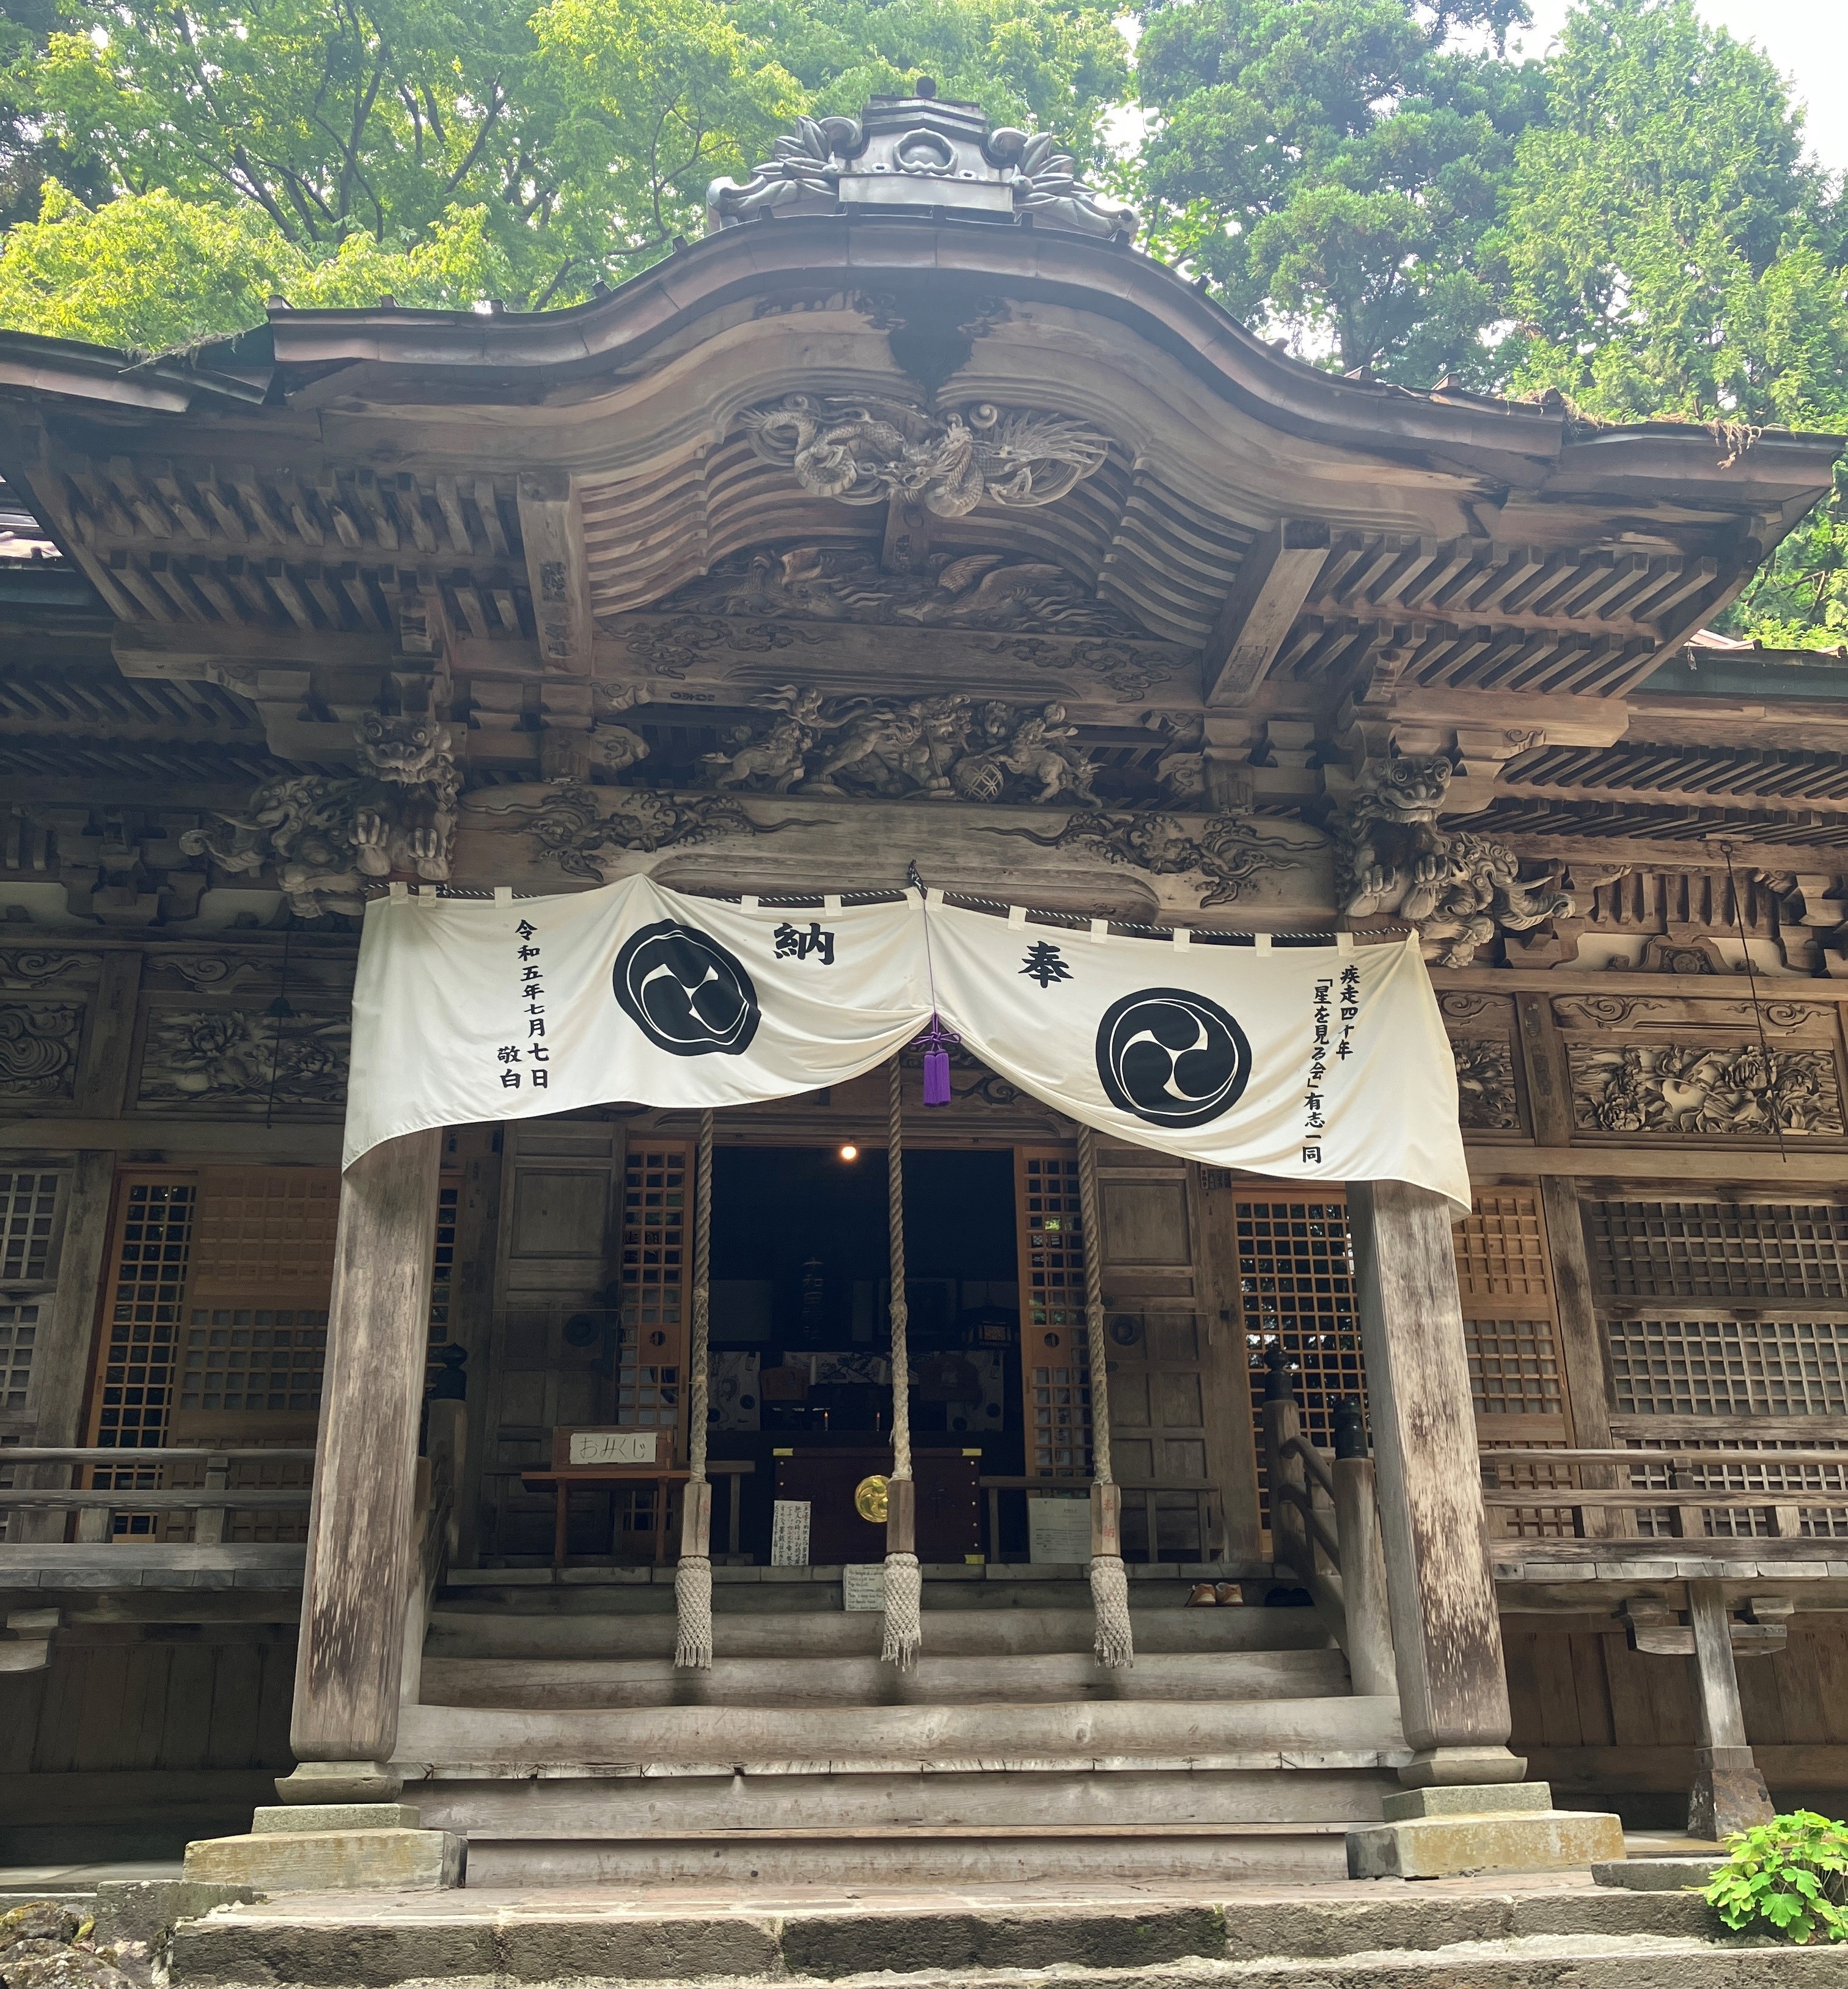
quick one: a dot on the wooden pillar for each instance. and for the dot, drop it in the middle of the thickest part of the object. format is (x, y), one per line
(65, 1350)
(357, 1584)
(1582, 1355)
(1453, 1694)
(1728, 1793)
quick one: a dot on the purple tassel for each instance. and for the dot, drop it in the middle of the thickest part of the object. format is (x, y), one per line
(936, 1041)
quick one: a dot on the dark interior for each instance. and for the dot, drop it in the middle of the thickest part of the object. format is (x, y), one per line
(800, 1335)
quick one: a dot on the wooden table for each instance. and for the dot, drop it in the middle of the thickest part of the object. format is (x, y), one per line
(562, 1477)
(609, 1477)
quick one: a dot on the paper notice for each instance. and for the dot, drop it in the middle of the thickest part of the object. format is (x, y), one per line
(789, 1533)
(1058, 1529)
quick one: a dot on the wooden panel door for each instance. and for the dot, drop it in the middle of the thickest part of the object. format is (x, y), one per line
(1175, 1373)
(556, 1314)
(1167, 1391)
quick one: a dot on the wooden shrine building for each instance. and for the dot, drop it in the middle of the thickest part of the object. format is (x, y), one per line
(913, 517)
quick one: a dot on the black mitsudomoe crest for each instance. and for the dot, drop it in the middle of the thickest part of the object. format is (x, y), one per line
(686, 993)
(1171, 1057)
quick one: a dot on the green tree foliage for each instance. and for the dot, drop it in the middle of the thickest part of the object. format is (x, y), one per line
(153, 273)
(1045, 64)
(1665, 243)
(426, 147)
(1332, 166)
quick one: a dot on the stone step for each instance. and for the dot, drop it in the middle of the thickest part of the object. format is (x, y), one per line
(646, 1591)
(459, 1632)
(1334, 1936)
(755, 1805)
(1347, 1732)
(1293, 1853)
(1065, 1676)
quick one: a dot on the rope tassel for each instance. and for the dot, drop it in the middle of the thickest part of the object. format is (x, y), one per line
(1114, 1644)
(692, 1610)
(692, 1576)
(905, 1581)
(905, 1610)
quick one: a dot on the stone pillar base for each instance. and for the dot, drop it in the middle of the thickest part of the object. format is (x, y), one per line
(333, 1847)
(1727, 1793)
(342, 1782)
(1436, 1832)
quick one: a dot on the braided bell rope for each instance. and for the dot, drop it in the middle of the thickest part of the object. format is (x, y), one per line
(905, 1581)
(692, 1573)
(1115, 1646)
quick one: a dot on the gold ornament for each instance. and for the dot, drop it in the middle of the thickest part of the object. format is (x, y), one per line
(870, 1499)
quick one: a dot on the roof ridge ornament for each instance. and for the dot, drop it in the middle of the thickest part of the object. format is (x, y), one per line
(861, 450)
(912, 152)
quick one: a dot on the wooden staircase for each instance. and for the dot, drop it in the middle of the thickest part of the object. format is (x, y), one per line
(554, 1732)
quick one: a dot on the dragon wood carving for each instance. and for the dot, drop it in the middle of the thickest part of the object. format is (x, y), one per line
(585, 830)
(1391, 857)
(942, 747)
(1227, 854)
(324, 835)
(865, 451)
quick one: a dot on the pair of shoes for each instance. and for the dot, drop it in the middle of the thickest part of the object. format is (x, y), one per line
(1209, 1595)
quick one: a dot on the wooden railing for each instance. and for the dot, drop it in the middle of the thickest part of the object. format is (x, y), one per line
(1324, 1528)
(1204, 1497)
(1602, 1502)
(96, 1507)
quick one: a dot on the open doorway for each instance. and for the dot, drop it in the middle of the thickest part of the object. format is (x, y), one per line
(801, 1344)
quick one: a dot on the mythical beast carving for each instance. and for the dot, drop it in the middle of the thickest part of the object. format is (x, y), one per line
(324, 835)
(1391, 856)
(864, 452)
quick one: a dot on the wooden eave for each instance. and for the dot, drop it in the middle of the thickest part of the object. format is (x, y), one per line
(273, 502)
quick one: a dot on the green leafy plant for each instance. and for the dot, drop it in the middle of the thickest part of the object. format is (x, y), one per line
(1790, 1876)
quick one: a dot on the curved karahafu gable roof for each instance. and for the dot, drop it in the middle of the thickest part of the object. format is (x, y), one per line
(906, 337)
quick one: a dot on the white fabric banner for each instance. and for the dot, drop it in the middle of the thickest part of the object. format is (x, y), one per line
(1325, 1064)
(513, 1008)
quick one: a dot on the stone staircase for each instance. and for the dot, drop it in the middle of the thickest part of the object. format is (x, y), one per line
(554, 1732)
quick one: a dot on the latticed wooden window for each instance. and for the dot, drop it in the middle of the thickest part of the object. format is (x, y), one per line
(241, 1359)
(263, 1238)
(652, 1351)
(19, 1334)
(1504, 1282)
(1295, 1284)
(1719, 1250)
(1745, 1366)
(1716, 1311)
(1054, 1361)
(28, 1212)
(147, 1288)
(265, 1235)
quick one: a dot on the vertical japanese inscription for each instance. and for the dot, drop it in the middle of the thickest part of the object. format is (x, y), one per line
(528, 1062)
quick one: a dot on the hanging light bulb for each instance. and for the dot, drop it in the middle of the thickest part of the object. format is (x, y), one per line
(850, 1152)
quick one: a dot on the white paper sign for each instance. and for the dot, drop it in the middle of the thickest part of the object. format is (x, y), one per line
(614, 1446)
(863, 1585)
(1058, 1529)
(789, 1532)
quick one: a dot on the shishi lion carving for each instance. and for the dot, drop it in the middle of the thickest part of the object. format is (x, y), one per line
(1390, 856)
(324, 835)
